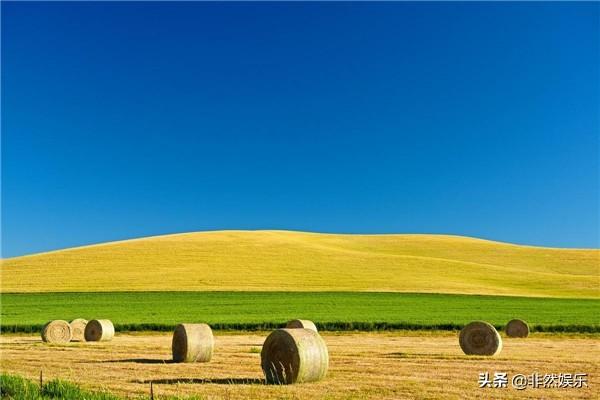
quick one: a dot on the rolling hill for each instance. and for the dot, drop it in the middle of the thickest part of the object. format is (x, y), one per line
(299, 261)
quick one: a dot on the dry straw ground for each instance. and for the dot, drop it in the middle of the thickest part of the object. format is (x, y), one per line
(389, 365)
(299, 261)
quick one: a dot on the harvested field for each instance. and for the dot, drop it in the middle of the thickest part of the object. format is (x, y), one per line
(362, 365)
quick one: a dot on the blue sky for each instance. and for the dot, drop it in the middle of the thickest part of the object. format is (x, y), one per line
(122, 120)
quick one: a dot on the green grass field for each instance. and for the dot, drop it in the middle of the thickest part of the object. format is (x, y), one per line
(300, 261)
(16, 387)
(265, 310)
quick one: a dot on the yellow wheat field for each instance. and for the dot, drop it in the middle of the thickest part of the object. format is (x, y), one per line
(283, 260)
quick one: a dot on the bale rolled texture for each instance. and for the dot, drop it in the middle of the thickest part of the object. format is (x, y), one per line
(193, 343)
(78, 329)
(57, 331)
(301, 324)
(99, 330)
(480, 338)
(517, 328)
(294, 356)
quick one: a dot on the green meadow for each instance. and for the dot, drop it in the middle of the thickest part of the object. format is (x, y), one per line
(132, 311)
(16, 387)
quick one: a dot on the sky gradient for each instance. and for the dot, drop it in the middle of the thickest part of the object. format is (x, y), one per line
(123, 120)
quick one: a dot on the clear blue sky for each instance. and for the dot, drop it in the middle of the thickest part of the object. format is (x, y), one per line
(122, 120)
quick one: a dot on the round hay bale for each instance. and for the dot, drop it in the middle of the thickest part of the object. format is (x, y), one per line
(480, 338)
(301, 324)
(78, 329)
(517, 328)
(193, 343)
(294, 356)
(99, 330)
(57, 331)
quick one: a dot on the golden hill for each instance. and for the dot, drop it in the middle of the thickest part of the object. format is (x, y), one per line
(298, 261)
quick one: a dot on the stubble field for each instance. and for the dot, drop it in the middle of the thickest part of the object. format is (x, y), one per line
(387, 365)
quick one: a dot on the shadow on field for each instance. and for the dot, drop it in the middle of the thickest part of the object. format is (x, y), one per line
(26, 341)
(207, 381)
(431, 356)
(139, 361)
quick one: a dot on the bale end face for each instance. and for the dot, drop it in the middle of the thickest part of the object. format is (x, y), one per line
(517, 328)
(294, 356)
(57, 331)
(480, 338)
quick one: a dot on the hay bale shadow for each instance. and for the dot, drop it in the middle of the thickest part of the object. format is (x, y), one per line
(140, 361)
(440, 356)
(205, 381)
(431, 356)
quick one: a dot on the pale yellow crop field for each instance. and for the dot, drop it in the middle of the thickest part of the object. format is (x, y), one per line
(298, 261)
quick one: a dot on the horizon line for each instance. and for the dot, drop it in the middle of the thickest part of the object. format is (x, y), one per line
(137, 238)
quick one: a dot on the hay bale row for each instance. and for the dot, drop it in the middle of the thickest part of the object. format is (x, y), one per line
(481, 338)
(78, 330)
(294, 354)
